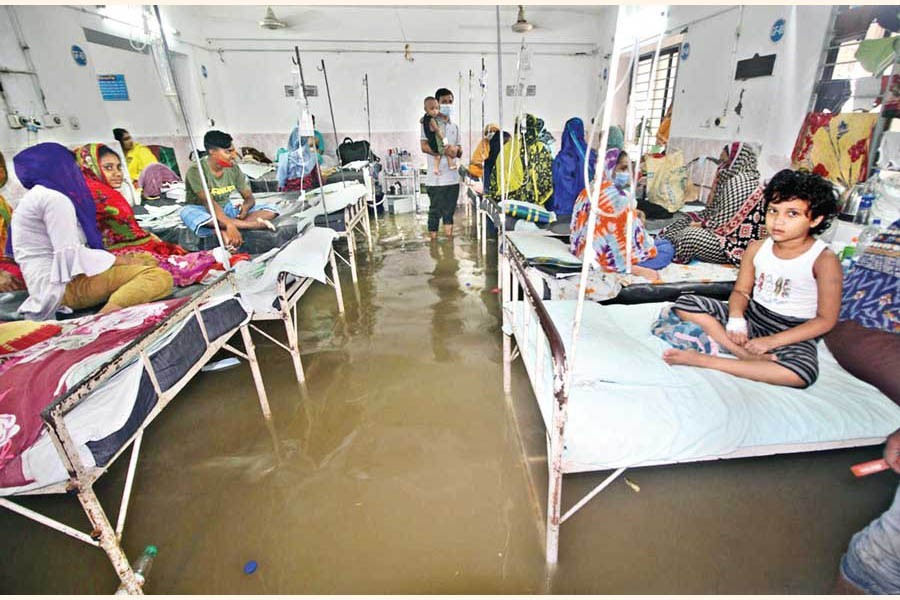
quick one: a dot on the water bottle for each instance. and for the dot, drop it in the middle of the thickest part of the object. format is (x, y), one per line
(867, 236)
(141, 568)
(865, 209)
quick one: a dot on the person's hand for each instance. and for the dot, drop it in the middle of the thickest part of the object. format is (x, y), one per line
(7, 283)
(232, 236)
(738, 337)
(892, 451)
(695, 224)
(760, 345)
(641, 215)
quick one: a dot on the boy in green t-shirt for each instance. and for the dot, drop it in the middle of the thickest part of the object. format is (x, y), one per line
(223, 177)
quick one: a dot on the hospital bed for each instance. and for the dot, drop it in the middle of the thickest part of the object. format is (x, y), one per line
(555, 273)
(602, 413)
(80, 399)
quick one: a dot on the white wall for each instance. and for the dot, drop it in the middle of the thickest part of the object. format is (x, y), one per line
(773, 107)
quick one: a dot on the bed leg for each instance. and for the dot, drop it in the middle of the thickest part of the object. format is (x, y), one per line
(250, 349)
(484, 234)
(554, 500)
(335, 276)
(290, 328)
(503, 268)
(351, 250)
(108, 540)
(368, 226)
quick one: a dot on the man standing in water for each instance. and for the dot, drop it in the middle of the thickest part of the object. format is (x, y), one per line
(443, 186)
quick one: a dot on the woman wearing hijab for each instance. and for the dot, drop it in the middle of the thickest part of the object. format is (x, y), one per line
(611, 228)
(102, 171)
(704, 235)
(55, 240)
(491, 184)
(568, 168)
(10, 274)
(528, 162)
(297, 168)
(153, 178)
(482, 151)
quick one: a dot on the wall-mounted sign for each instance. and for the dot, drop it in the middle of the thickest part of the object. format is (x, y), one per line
(685, 50)
(112, 87)
(203, 71)
(79, 56)
(777, 30)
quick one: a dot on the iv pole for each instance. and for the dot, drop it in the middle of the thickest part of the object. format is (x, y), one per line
(330, 105)
(187, 125)
(296, 60)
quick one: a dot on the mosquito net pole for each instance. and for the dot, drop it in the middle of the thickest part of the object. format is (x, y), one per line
(502, 177)
(187, 126)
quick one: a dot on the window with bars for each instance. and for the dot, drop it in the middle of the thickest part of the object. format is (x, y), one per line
(649, 111)
(845, 86)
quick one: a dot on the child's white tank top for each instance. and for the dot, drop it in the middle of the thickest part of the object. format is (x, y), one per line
(787, 286)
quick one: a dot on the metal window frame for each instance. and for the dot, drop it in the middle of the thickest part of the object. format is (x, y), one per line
(668, 89)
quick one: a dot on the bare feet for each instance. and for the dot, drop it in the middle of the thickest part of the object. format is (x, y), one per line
(269, 224)
(432, 235)
(448, 230)
(648, 274)
(689, 358)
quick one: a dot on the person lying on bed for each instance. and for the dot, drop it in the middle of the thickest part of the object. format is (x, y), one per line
(787, 294)
(55, 240)
(103, 174)
(710, 234)
(223, 177)
(610, 240)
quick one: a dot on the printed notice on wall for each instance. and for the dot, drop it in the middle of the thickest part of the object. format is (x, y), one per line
(112, 87)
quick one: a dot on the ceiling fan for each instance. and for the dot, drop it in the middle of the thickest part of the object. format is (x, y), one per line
(522, 25)
(271, 22)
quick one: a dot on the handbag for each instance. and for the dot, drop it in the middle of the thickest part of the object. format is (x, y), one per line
(349, 151)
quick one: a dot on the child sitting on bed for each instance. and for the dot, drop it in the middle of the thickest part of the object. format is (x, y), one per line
(787, 294)
(437, 141)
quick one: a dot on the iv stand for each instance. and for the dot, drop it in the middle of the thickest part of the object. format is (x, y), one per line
(296, 60)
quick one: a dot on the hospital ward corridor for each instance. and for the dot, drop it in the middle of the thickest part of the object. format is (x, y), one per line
(401, 471)
(449, 299)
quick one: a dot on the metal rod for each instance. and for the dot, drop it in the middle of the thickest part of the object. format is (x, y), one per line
(26, 52)
(51, 523)
(471, 77)
(368, 41)
(441, 52)
(299, 64)
(129, 484)
(368, 111)
(331, 110)
(190, 135)
(603, 485)
(502, 177)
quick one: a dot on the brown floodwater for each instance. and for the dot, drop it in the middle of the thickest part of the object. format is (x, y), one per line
(405, 469)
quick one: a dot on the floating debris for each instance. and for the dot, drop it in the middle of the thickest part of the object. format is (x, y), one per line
(632, 485)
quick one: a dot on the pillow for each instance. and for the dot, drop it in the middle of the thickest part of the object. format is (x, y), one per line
(528, 211)
(19, 335)
(868, 354)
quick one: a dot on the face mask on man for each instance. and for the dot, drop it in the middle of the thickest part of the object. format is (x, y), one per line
(622, 180)
(447, 110)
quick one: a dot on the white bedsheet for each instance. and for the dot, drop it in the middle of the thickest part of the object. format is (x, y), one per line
(628, 408)
(305, 256)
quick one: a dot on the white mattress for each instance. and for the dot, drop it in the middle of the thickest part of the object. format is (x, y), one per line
(628, 408)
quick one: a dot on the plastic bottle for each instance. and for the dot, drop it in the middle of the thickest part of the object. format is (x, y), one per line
(141, 568)
(865, 209)
(867, 236)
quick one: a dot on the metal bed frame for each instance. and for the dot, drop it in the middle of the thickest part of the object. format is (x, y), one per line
(537, 330)
(82, 478)
(289, 290)
(356, 216)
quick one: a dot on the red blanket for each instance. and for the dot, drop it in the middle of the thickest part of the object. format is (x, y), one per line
(32, 379)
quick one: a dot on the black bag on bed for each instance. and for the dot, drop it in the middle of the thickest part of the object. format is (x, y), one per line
(350, 151)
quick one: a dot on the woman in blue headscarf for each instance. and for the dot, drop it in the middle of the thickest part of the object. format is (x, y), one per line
(55, 240)
(297, 168)
(568, 168)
